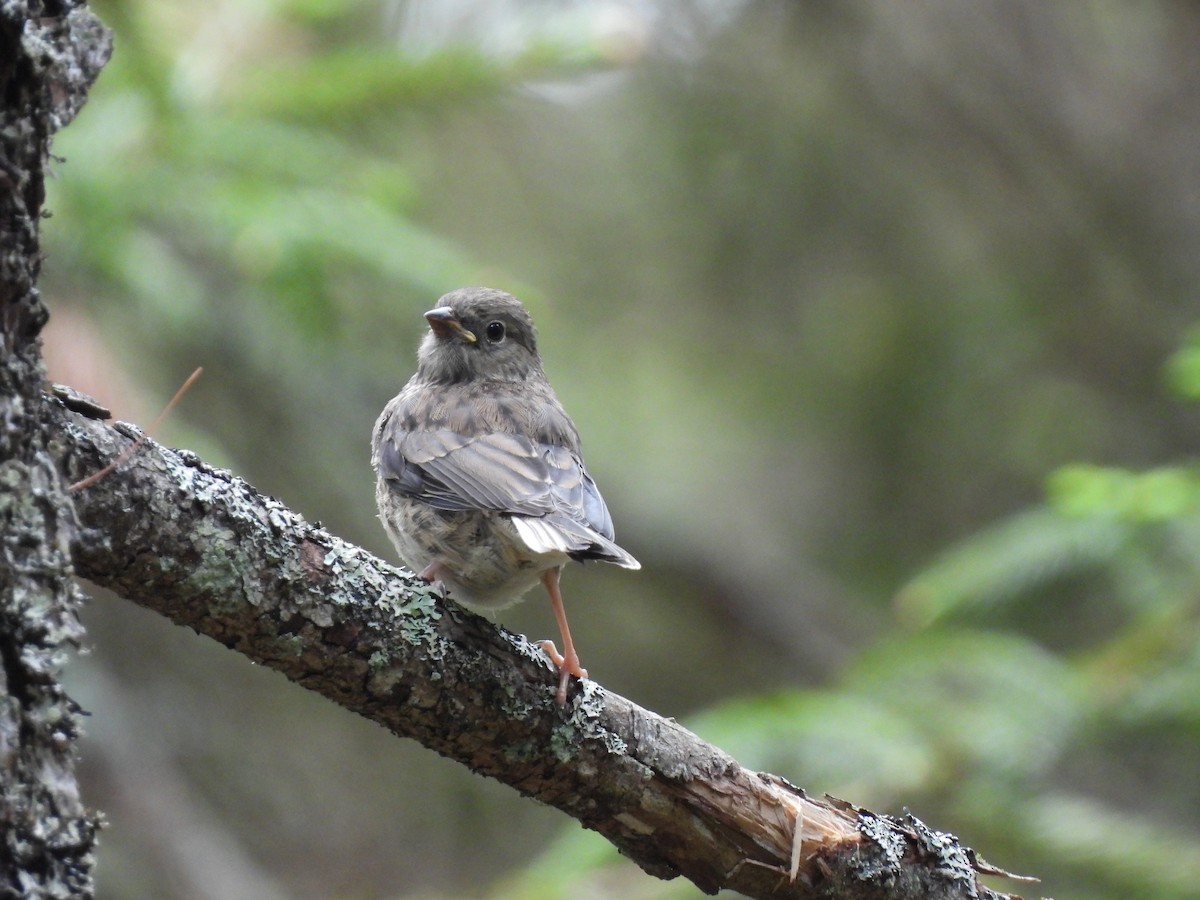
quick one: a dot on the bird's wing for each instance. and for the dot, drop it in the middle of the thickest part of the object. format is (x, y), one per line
(554, 502)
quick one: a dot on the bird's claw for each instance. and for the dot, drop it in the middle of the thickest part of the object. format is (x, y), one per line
(560, 661)
(433, 574)
(566, 668)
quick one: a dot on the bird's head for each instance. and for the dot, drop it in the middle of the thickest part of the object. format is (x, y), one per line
(479, 334)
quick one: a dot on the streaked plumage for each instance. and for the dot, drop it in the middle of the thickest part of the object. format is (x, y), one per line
(481, 484)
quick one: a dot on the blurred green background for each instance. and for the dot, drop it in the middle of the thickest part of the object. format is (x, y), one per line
(876, 321)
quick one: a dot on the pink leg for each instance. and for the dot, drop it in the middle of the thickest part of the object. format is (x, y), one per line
(568, 663)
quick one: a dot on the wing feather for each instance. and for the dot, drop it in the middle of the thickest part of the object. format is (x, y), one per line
(553, 502)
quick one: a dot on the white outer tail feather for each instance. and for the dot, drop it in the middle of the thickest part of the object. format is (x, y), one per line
(544, 535)
(540, 536)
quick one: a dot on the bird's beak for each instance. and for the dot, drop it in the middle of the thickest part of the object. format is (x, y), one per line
(445, 324)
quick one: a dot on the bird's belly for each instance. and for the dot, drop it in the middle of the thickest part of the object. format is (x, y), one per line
(477, 554)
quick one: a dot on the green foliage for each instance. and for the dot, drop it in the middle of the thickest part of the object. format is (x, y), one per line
(1005, 563)
(1113, 852)
(1102, 492)
(839, 742)
(347, 88)
(992, 706)
(1183, 368)
(278, 182)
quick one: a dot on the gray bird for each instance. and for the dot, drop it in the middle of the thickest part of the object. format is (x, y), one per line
(480, 482)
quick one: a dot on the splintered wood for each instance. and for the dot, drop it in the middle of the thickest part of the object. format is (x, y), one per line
(786, 825)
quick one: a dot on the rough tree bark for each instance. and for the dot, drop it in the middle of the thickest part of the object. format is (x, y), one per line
(202, 547)
(49, 55)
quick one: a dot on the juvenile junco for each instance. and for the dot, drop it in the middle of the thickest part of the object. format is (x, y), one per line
(481, 485)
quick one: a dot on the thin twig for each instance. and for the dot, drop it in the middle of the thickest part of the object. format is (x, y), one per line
(132, 448)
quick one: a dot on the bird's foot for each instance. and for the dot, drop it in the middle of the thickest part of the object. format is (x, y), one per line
(566, 665)
(433, 574)
(560, 661)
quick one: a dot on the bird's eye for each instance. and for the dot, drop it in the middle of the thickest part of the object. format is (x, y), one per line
(495, 332)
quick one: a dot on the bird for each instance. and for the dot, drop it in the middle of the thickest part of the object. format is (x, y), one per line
(480, 482)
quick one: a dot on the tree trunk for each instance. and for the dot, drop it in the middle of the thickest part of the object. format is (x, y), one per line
(49, 55)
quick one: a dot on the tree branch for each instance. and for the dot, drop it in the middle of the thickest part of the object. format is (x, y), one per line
(205, 549)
